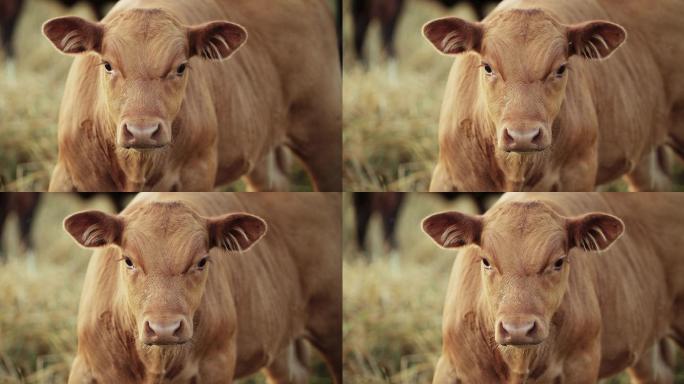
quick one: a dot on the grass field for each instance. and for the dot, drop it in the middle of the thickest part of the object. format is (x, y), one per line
(29, 105)
(390, 125)
(38, 310)
(393, 311)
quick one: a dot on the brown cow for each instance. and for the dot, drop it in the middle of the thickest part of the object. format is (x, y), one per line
(148, 106)
(563, 288)
(205, 288)
(528, 107)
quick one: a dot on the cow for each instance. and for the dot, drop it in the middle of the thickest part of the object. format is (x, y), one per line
(388, 12)
(563, 288)
(148, 105)
(207, 288)
(548, 95)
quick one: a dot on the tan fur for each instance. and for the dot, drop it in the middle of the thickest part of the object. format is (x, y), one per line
(250, 310)
(280, 89)
(604, 120)
(603, 311)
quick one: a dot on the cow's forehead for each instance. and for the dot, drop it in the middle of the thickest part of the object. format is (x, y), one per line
(522, 221)
(136, 36)
(164, 219)
(529, 38)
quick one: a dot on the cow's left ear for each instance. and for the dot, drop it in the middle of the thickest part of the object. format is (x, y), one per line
(94, 229)
(73, 35)
(453, 229)
(595, 39)
(236, 232)
(216, 40)
(594, 231)
(451, 35)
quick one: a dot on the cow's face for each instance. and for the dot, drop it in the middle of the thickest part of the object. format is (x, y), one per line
(522, 251)
(145, 65)
(163, 256)
(524, 67)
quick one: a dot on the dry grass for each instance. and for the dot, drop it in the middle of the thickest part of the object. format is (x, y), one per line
(390, 126)
(38, 310)
(29, 105)
(392, 311)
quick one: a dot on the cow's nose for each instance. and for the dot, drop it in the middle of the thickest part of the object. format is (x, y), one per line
(143, 134)
(518, 332)
(164, 331)
(523, 140)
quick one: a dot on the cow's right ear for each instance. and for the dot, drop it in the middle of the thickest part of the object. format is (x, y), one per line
(94, 229)
(594, 231)
(73, 35)
(453, 229)
(216, 40)
(235, 232)
(451, 35)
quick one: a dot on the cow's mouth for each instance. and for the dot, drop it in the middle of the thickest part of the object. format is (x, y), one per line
(525, 150)
(143, 147)
(165, 343)
(522, 345)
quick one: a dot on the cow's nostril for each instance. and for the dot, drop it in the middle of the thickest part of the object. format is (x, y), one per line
(532, 329)
(157, 132)
(538, 137)
(128, 135)
(178, 330)
(508, 139)
(149, 332)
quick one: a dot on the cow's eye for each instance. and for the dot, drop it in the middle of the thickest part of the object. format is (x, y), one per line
(128, 262)
(487, 68)
(108, 67)
(561, 70)
(486, 263)
(181, 69)
(558, 265)
(202, 263)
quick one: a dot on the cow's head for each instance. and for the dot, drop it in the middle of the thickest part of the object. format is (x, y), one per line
(144, 57)
(524, 66)
(163, 258)
(523, 249)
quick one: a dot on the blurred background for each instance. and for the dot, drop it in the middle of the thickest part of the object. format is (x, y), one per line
(391, 106)
(41, 276)
(394, 290)
(32, 78)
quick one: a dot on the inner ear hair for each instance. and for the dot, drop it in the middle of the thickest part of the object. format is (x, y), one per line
(74, 35)
(453, 229)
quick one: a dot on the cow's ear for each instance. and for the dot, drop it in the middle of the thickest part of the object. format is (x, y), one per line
(451, 35)
(216, 40)
(453, 229)
(594, 231)
(73, 35)
(595, 39)
(236, 232)
(94, 228)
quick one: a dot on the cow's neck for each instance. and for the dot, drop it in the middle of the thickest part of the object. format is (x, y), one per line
(519, 171)
(160, 364)
(515, 365)
(139, 170)
(130, 170)
(522, 171)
